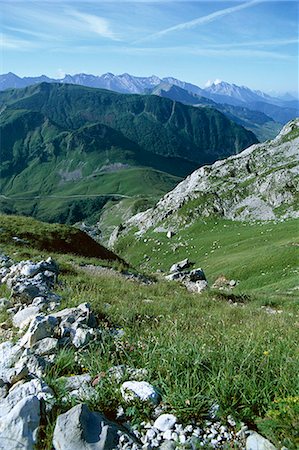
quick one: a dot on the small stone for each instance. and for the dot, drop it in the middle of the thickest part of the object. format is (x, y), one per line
(139, 389)
(165, 422)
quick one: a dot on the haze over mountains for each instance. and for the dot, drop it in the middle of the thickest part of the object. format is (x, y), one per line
(280, 110)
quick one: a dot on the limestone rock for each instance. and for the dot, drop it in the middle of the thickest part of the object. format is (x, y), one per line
(40, 327)
(20, 391)
(141, 390)
(18, 428)
(9, 354)
(24, 316)
(257, 442)
(179, 266)
(79, 428)
(165, 422)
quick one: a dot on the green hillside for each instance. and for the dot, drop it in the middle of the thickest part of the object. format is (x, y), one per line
(67, 150)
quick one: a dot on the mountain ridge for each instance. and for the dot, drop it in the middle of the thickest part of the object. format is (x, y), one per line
(280, 109)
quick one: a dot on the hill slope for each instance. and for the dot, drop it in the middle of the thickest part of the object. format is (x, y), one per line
(59, 141)
(263, 126)
(259, 183)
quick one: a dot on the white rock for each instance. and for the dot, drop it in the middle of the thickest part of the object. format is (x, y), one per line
(181, 265)
(82, 336)
(40, 327)
(22, 390)
(9, 354)
(23, 317)
(79, 429)
(45, 346)
(257, 442)
(18, 428)
(14, 374)
(201, 285)
(165, 422)
(141, 390)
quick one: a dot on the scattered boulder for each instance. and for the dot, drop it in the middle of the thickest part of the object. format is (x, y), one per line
(141, 390)
(194, 280)
(181, 265)
(19, 427)
(257, 442)
(79, 428)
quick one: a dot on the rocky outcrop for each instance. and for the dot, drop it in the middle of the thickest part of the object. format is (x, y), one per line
(260, 183)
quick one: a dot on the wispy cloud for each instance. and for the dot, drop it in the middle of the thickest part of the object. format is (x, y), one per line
(94, 24)
(64, 23)
(13, 43)
(201, 20)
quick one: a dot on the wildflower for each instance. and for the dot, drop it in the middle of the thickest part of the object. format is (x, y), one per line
(266, 352)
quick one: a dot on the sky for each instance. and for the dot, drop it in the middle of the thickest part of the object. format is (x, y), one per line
(252, 43)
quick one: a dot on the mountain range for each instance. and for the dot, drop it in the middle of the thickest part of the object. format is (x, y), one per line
(66, 150)
(280, 110)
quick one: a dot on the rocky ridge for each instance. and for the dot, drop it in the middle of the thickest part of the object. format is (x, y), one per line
(25, 397)
(260, 183)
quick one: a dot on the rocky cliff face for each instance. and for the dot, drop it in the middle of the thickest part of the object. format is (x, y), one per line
(260, 183)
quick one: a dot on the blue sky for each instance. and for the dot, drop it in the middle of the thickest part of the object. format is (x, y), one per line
(252, 43)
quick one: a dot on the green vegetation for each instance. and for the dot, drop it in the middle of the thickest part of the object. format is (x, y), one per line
(263, 256)
(58, 141)
(198, 349)
(29, 233)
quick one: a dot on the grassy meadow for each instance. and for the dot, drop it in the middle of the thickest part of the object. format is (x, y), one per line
(199, 350)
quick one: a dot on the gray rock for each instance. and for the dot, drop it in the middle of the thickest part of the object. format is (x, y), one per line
(14, 374)
(18, 428)
(24, 316)
(9, 354)
(165, 422)
(75, 381)
(141, 390)
(82, 336)
(168, 445)
(22, 390)
(79, 429)
(40, 327)
(197, 275)
(201, 286)
(179, 266)
(36, 365)
(257, 442)
(175, 276)
(46, 346)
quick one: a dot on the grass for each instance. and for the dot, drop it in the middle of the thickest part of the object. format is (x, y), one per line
(199, 350)
(262, 256)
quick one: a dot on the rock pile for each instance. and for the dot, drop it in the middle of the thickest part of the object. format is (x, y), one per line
(194, 280)
(26, 399)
